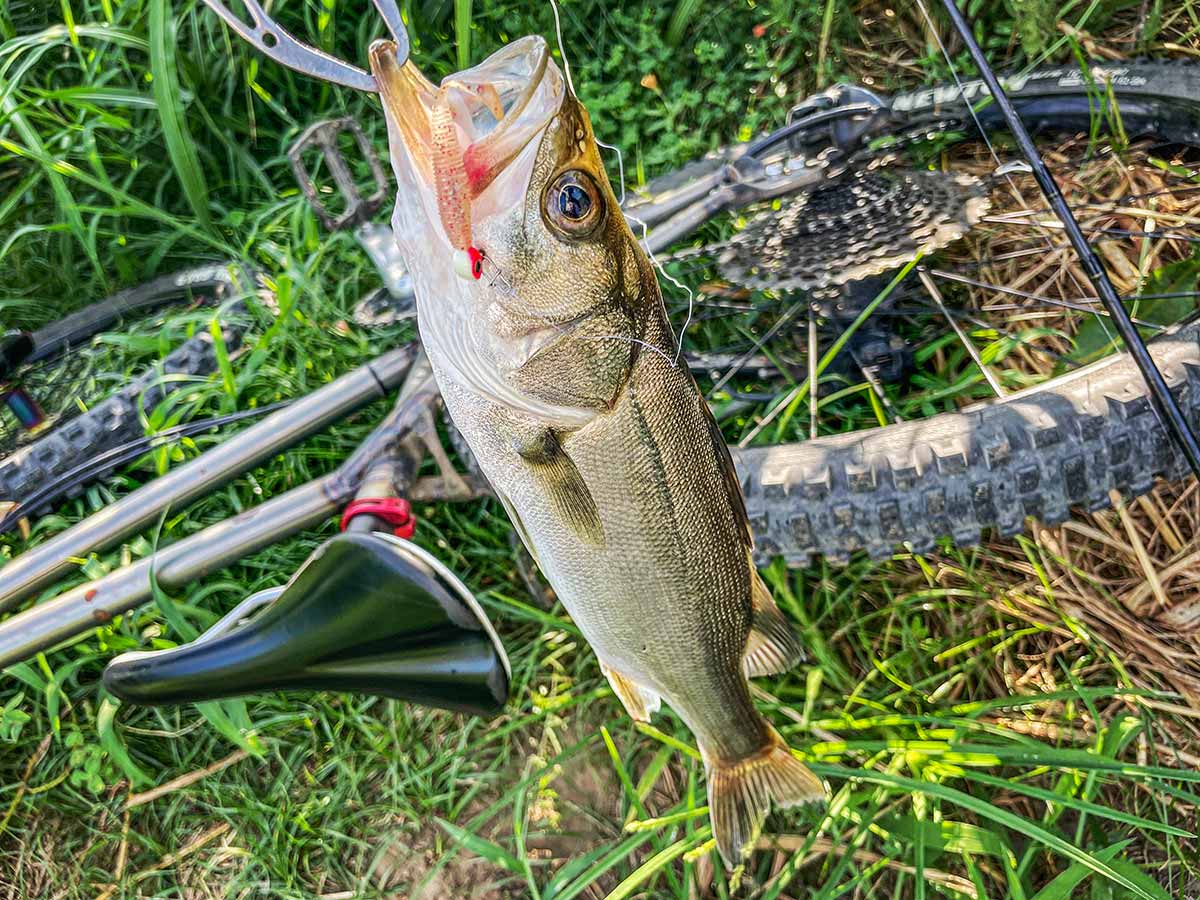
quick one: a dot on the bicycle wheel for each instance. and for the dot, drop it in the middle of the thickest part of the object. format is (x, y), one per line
(984, 386)
(66, 396)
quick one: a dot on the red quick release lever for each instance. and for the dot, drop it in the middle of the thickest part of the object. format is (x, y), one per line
(396, 511)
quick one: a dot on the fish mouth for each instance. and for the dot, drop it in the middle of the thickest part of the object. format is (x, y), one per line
(460, 136)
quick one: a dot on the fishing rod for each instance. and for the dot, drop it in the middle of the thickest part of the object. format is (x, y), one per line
(1164, 402)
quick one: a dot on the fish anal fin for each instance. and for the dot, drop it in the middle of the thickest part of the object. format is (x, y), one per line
(637, 700)
(740, 794)
(557, 474)
(772, 646)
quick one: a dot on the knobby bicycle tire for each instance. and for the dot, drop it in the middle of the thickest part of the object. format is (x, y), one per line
(1035, 453)
(75, 329)
(1158, 98)
(118, 418)
(110, 423)
(1152, 98)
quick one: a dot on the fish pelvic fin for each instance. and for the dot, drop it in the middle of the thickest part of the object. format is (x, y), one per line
(560, 478)
(637, 700)
(740, 794)
(517, 523)
(772, 646)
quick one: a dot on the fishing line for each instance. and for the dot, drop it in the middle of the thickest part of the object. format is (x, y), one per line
(691, 296)
(1000, 167)
(633, 340)
(561, 52)
(620, 166)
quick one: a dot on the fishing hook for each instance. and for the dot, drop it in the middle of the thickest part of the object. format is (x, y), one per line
(279, 45)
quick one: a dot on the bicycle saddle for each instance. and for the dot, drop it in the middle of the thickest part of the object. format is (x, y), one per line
(366, 613)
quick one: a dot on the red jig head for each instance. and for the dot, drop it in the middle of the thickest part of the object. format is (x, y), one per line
(475, 255)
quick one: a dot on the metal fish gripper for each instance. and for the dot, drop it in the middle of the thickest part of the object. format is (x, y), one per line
(273, 41)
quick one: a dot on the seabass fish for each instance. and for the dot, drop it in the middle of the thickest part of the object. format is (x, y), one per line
(545, 326)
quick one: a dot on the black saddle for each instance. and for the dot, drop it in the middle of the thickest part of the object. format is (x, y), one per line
(366, 613)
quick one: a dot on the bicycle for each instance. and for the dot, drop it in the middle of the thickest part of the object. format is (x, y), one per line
(1036, 452)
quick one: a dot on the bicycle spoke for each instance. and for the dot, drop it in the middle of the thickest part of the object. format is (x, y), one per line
(1053, 356)
(877, 389)
(1119, 232)
(1110, 208)
(771, 415)
(1049, 301)
(967, 343)
(712, 363)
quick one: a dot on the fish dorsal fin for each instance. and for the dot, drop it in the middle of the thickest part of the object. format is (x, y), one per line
(557, 474)
(772, 646)
(637, 700)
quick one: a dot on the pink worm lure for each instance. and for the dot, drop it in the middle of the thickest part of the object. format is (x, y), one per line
(461, 174)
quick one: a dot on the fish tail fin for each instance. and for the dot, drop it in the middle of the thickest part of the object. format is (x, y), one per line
(740, 793)
(772, 647)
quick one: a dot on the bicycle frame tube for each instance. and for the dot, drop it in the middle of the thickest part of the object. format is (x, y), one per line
(96, 602)
(657, 208)
(42, 565)
(687, 220)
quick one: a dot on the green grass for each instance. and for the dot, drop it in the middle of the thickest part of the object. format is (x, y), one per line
(979, 738)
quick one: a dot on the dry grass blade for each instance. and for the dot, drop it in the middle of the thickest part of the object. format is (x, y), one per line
(1139, 550)
(171, 859)
(1140, 597)
(42, 747)
(183, 781)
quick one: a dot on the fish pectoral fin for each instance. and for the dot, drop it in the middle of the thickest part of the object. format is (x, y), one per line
(772, 646)
(741, 791)
(637, 700)
(557, 474)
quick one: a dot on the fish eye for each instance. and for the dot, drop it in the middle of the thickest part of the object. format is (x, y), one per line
(573, 204)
